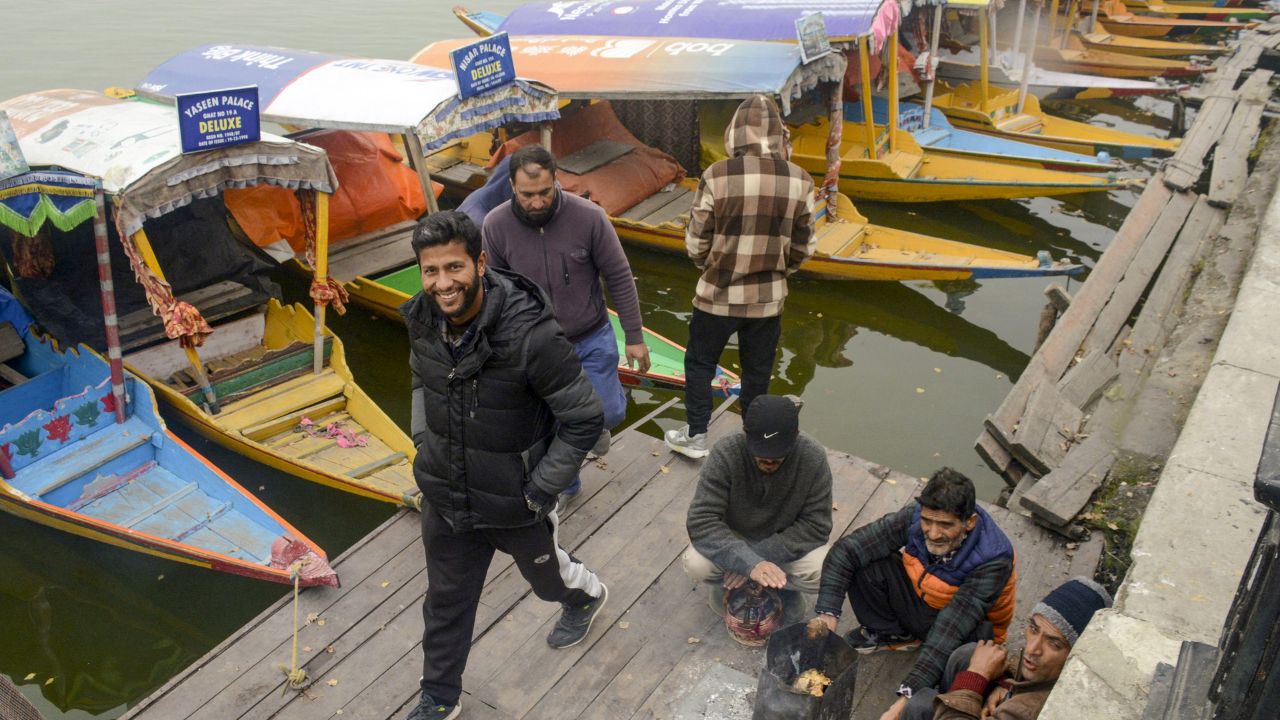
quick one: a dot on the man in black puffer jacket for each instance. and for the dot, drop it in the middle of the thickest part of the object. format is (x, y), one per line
(502, 418)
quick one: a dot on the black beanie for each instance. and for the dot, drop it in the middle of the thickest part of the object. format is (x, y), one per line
(1071, 605)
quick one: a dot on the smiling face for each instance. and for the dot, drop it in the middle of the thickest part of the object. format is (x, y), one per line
(535, 191)
(451, 280)
(1046, 651)
(944, 531)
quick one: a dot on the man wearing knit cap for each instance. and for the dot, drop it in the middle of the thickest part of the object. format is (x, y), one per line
(984, 681)
(762, 509)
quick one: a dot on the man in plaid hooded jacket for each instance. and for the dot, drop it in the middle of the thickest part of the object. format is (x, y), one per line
(751, 226)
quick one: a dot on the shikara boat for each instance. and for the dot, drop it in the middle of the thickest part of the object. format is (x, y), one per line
(881, 163)
(415, 104)
(940, 138)
(1208, 11)
(848, 246)
(1005, 70)
(1016, 114)
(268, 381)
(1115, 17)
(1075, 56)
(1100, 39)
(83, 448)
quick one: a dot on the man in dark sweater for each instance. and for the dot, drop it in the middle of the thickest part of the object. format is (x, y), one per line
(762, 509)
(566, 244)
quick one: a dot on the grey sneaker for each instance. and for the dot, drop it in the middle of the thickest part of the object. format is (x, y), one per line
(694, 446)
(429, 709)
(575, 621)
(867, 641)
(601, 448)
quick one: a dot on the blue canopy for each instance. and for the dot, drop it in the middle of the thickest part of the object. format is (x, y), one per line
(60, 197)
(729, 19)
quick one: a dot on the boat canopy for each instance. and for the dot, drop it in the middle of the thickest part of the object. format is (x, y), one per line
(61, 198)
(635, 68)
(136, 150)
(318, 90)
(846, 20)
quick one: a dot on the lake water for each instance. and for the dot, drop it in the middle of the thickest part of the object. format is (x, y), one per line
(899, 373)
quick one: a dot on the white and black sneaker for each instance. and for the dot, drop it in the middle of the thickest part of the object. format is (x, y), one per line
(429, 709)
(575, 621)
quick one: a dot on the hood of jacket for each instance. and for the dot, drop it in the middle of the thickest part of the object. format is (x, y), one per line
(757, 129)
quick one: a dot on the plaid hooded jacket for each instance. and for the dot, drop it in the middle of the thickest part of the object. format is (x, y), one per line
(751, 224)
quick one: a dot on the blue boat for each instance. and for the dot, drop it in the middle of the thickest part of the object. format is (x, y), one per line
(83, 448)
(944, 138)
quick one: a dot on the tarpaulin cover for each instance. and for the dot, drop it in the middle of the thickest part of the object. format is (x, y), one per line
(316, 90)
(135, 148)
(378, 190)
(736, 19)
(615, 186)
(61, 198)
(633, 68)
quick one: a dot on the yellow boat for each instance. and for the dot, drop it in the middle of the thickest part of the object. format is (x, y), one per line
(1100, 39)
(268, 382)
(1115, 17)
(964, 106)
(1209, 12)
(1074, 56)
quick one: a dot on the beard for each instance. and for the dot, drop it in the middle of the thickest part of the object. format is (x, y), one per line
(536, 218)
(469, 295)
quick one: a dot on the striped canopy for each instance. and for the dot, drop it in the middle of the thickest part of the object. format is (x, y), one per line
(311, 89)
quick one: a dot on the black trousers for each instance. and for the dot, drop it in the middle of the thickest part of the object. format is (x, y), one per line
(708, 334)
(885, 603)
(457, 563)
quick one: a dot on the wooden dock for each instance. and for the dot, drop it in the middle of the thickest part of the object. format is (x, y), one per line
(656, 651)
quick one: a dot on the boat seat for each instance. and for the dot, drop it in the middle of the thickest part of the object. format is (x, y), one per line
(80, 458)
(375, 466)
(280, 400)
(142, 328)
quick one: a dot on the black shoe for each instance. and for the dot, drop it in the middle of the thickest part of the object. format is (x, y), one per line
(575, 621)
(869, 641)
(429, 709)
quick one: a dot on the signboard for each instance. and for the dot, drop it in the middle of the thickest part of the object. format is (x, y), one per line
(483, 65)
(811, 31)
(12, 161)
(218, 118)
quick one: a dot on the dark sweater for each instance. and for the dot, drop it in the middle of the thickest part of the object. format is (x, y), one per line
(740, 516)
(566, 258)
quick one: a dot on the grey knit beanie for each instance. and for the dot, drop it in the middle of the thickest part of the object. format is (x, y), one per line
(1071, 605)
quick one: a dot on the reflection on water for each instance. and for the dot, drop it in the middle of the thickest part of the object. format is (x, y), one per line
(899, 373)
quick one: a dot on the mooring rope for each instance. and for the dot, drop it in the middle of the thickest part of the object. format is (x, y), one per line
(296, 675)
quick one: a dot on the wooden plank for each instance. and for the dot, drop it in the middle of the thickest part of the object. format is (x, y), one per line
(94, 451)
(261, 639)
(595, 155)
(11, 376)
(1231, 159)
(1055, 355)
(995, 455)
(10, 343)
(1048, 422)
(655, 202)
(1014, 504)
(1157, 318)
(1088, 379)
(316, 412)
(1060, 495)
(1059, 297)
(671, 212)
(1137, 276)
(374, 253)
(1183, 170)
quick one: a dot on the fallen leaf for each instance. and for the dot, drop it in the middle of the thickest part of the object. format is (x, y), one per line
(49, 681)
(329, 649)
(999, 376)
(306, 648)
(937, 370)
(654, 453)
(891, 481)
(665, 469)
(508, 618)
(29, 676)
(694, 640)
(835, 507)
(919, 390)
(160, 577)
(819, 314)
(338, 711)
(624, 625)
(1112, 526)
(261, 488)
(312, 617)
(333, 682)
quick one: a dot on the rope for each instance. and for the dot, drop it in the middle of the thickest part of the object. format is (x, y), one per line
(296, 675)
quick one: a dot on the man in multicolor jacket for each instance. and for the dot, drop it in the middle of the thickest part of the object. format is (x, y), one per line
(750, 228)
(934, 572)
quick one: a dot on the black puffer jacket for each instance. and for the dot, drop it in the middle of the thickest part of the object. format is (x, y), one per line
(516, 407)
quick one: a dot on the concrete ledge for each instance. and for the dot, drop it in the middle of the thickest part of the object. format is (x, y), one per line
(1200, 527)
